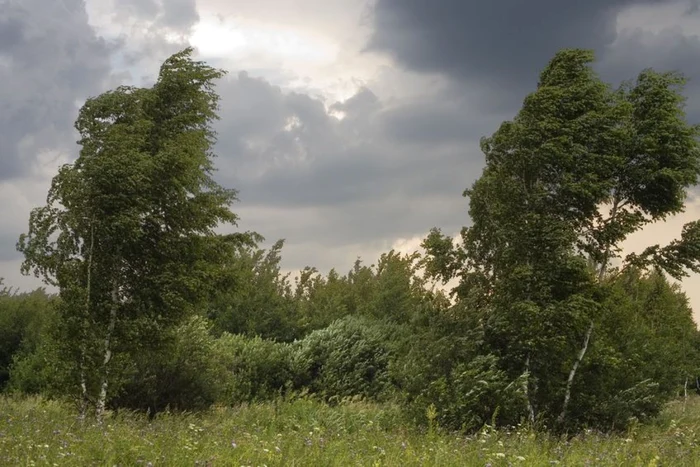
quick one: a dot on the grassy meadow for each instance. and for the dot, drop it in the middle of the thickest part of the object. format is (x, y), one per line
(307, 433)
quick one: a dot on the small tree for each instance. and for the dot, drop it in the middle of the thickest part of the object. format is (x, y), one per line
(127, 231)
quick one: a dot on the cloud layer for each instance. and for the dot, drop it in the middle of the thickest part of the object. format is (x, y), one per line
(50, 59)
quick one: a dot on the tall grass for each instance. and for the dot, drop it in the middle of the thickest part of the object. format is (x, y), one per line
(308, 433)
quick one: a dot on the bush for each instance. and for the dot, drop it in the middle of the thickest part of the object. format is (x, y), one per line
(182, 373)
(348, 358)
(255, 369)
(475, 394)
(24, 319)
(41, 371)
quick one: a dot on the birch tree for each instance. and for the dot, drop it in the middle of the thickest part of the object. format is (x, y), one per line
(578, 169)
(127, 230)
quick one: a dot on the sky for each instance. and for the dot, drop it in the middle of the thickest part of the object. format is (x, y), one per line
(349, 127)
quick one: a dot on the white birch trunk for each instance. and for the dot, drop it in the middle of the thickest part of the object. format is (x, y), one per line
(526, 390)
(102, 399)
(606, 255)
(572, 374)
(83, 387)
(83, 350)
(584, 348)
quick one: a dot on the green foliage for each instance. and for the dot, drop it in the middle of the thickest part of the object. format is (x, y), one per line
(24, 320)
(182, 373)
(127, 233)
(255, 369)
(393, 290)
(577, 170)
(348, 358)
(475, 394)
(254, 298)
(42, 371)
(440, 366)
(644, 353)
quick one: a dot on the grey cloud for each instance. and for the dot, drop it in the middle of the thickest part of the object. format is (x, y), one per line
(448, 118)
(50, 58)
(8, 252)
(179, 15)
(362, 102)
(663, 51)
(491, 39)
(151, 31)
(304, 175)
(498, 45)
(284, 149)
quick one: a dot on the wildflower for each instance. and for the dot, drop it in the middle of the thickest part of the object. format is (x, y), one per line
(233, 444)
(277, 449)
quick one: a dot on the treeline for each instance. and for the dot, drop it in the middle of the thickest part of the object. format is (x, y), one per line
(158, 312)
(377, 333)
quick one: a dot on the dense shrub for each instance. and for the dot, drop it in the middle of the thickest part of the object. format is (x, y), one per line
(441, 368)
(255, 369)
(182, 373)
(348, 358)
(41, 371)
(24, 319)
(475, 394)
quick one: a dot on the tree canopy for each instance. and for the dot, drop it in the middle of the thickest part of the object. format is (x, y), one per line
(578, 169)
(127, 233)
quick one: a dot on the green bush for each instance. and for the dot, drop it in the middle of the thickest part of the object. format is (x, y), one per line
(475, 394)
(182, 373)
(348, 358)
(41, 371)
(24, 319)
(255, 369)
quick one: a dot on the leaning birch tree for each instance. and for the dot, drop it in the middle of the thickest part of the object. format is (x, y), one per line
(127, 230)
(580, 168)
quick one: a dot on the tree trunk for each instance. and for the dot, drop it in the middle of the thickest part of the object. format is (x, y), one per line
(83, 349)
(526, 390)
(606, 254)
(584, 348)
(83, 387)
(572, 374)
(102, 399)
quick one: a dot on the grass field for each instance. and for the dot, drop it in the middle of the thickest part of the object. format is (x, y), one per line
(307, 433)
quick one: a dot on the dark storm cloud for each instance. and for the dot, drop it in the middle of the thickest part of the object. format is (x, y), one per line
(664, 51)
(499, 45)
(50, 59)
(493, 39)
